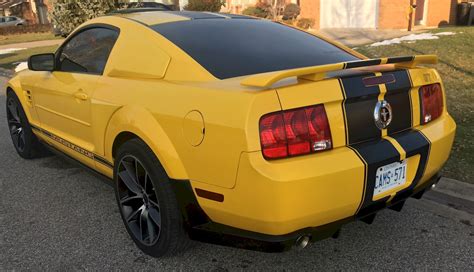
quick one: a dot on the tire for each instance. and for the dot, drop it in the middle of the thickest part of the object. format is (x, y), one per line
(154, 221)
(24, 140)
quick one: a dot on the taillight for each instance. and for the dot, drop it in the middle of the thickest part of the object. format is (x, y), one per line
(431, 98)
(295, 132)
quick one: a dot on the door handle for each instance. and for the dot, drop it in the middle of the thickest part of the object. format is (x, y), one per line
(81, 95)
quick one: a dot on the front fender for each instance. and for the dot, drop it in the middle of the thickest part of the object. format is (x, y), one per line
(25, 98)
(141, 122)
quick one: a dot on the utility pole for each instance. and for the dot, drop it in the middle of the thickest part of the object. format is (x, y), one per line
(411, 13)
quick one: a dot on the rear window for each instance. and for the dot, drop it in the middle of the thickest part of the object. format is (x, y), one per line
(237, 47)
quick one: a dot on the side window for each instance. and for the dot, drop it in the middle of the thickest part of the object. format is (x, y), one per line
(88, 51)
(10, 19)
(2, 19)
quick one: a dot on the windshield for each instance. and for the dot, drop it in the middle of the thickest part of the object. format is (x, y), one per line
(239, 47)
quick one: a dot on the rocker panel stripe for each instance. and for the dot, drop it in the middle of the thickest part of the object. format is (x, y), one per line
(74, 147)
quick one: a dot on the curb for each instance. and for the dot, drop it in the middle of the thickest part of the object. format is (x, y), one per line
(454, 194)
(456, 188)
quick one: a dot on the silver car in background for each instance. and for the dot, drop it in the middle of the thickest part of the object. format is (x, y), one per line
(11, 21)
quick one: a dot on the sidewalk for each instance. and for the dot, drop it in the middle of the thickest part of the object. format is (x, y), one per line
(27, 45)
(356, 37)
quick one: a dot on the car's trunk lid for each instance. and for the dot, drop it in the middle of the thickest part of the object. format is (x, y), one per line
(350, 95)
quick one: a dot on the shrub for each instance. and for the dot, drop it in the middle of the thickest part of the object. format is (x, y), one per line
(291, 11)
(205, 5)
(288, 22)
(305, 23)
(66, 15)
(255, 11)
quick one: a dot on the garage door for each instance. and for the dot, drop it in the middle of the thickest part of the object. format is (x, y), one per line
(349, 13)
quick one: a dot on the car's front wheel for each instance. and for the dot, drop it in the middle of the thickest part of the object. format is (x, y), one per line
(24, 140)
(147, 202)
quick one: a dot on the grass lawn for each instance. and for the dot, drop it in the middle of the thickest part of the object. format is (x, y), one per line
(456, 54)
(28, 37)
(8, 61)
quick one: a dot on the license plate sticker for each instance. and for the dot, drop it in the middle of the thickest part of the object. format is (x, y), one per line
(390, 176)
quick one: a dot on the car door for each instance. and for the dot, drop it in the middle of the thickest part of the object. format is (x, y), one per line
(11, 21)
(63, 97)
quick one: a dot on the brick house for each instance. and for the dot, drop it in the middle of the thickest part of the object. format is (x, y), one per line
(384, 14)
(33, 11)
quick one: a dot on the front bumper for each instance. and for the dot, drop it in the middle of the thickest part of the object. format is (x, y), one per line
(276, 202)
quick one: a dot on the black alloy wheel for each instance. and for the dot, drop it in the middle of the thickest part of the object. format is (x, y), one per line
(24, 140)
(15, 125)
(147, 201)
(138, 202)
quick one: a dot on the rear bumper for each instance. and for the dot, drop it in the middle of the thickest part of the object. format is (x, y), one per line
(278, 201)
(215, 233)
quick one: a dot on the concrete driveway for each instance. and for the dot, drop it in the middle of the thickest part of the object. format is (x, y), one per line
(57, 216)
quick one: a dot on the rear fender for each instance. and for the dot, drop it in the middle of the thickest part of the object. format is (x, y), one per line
(140, 122)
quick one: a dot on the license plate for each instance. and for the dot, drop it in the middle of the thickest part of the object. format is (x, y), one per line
(390, 176)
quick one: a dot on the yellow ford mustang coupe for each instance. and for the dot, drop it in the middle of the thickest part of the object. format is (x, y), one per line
(233, 130)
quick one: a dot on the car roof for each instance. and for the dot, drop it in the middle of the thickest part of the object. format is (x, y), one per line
(154, 17)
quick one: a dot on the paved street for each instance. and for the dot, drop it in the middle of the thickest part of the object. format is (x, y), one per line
(26, 45)
(57, 216)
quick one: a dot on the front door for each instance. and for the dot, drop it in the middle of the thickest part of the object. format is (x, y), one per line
(420, 12)
(63, 97)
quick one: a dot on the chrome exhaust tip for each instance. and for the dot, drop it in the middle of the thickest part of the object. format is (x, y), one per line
(303, 241)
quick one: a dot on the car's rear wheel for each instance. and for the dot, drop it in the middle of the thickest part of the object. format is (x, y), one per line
(147, 202)
(24, 140)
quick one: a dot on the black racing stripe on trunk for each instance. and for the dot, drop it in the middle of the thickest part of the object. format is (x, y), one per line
(358, 64)
(344, 111)
(374, 154)
(354, 87)
(358, 106)
(400, 59)
(413, 142)
(398, 95)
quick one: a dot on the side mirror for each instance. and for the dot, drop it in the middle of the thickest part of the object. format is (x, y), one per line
(42, 62)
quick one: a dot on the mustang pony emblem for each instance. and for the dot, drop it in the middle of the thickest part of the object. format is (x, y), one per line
(382, 114)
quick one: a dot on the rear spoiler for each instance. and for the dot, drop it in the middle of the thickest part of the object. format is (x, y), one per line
(316, 73)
